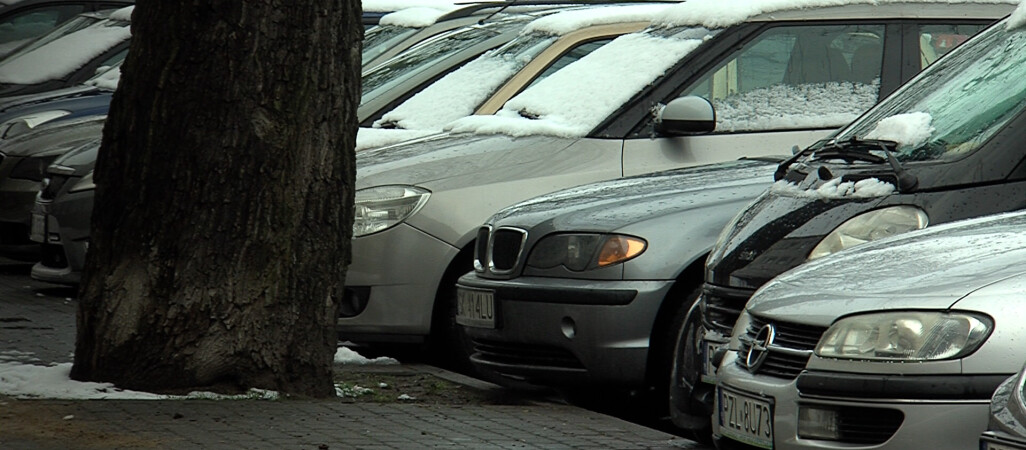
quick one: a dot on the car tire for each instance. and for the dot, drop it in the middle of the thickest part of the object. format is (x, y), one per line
(685, 412)
(448, 346)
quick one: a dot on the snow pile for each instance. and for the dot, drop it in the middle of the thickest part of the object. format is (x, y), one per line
(395, 5)
(909, 129)
(123, 14)
(62, 56)
(108, 79)
(725, 13)
(367, 138)
(1018, 17)
(418, 17)
(347, 356)
(565, 22)
(835, 189)
(574, 100)
(31, 381)
(788, 107)
(456, 95)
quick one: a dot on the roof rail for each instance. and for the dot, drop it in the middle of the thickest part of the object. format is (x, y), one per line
(469, 9)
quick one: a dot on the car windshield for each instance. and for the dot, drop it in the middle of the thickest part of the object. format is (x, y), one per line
(381, 38)
(59, 53)
(393, 72)
(956, 104)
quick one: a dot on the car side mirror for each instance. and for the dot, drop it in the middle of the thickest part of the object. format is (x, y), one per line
(686, 116)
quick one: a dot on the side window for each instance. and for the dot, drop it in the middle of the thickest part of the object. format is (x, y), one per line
(574, 54)
(796, 77)
(936, 40)
(31, 23)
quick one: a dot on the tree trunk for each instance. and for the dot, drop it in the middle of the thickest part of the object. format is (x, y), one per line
(223, 209)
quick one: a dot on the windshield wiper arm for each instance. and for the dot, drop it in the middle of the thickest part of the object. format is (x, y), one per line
(858, 149)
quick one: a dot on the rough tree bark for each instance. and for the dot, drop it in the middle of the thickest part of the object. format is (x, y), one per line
(224, 194)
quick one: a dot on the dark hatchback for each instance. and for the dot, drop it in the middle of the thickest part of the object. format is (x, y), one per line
(949, 145)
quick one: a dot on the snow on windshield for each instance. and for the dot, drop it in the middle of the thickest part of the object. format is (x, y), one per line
(905, 129)
(123, 14)
(567, 21)
(725, 13)
(574, 100)
(1018, 17)
(803, 106)
(63, 55)
(836, 189)
(418, 17)
(107, 79)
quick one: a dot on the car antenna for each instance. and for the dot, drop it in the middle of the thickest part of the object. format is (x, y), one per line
(503, 8)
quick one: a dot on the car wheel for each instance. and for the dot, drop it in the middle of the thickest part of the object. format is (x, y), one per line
(686, 412)
(448, 346)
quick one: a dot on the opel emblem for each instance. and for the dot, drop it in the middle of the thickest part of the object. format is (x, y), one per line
(759, 348)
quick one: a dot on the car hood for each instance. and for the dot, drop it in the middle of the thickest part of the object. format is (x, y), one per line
(611, 205)
(430, 161)
(55, 139)
(81, 90)
(933, 268)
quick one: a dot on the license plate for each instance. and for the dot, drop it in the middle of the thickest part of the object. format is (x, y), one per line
(709, 369)
(37, 233)
(475, 308)
(745, 418)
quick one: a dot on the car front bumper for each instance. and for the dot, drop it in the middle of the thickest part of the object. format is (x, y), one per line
(554, 331)
(395, 274)
(890, 422)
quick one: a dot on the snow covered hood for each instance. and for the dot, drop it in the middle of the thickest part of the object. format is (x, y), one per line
(610, 205)
(933, 268)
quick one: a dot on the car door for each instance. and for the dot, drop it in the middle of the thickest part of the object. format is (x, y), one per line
(789, 84)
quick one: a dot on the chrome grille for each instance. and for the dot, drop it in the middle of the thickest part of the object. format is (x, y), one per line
(722, 306)
(792, 346)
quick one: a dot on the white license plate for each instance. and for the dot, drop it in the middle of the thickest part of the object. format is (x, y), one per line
(475, 308)
(745, 418)
(37, 233)
(709, 369)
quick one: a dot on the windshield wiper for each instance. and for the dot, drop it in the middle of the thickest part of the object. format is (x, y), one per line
(855, 149)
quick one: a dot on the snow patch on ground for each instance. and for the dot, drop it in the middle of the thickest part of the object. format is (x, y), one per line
(835, 189)
(347, 356)
(909, 129)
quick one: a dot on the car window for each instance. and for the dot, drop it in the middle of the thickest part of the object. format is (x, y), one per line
(574, 54)
(64, 50)
(957, 104)
(936, 40)
(792, 77)
(19, 28)
(379, 39)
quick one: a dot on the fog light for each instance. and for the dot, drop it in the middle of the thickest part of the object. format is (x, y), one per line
(818, 423)
(569, 328)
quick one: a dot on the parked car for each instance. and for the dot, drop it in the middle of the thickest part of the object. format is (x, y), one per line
(945, 147)
(61, 217)
(585, 288)
(894, 344)
(419, 205)
(23, 163)
(1006, 429)
(68, 55)
(484, 84)
(23, 20)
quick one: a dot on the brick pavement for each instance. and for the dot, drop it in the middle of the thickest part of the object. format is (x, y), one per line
(37, 325)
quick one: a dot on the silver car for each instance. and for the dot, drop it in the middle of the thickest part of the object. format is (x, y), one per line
(1006, 429)
(586, 287)
(897, 344)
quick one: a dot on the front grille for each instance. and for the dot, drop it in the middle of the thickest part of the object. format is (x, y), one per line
(53, 186)
(866, 426)
(507, 353)
(722, 306)
(481, 249)
(507, 243)
(792, 346)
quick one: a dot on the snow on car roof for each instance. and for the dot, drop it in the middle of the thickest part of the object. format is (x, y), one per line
(568, 21)
(574, 100)
(416, 17)
(725, 13)
(65, 54)
(123, 14)
(1018, 17)
(396, 5)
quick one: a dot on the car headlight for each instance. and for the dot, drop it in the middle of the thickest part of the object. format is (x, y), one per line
(31, 168)
(583, 251)
(870, 226)
(382, 207)
(21, 124)
(83, 184)
(905, 336)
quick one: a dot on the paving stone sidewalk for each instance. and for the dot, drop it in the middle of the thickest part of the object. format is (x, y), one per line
(37, 323)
